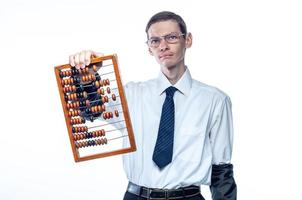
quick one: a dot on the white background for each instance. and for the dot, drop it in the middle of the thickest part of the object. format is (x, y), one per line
(249, 49)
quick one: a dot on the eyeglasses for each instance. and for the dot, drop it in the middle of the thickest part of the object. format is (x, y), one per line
(171, 38)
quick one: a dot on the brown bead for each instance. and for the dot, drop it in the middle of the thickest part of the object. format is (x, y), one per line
(101, 83)
(103, 107)
(87, 103)
(116, 113)
(108, 90)
(85, 95)
(106, 99)
(97, 85)
(93, 134)
(113, 97)
(104, 115)
(94, 67)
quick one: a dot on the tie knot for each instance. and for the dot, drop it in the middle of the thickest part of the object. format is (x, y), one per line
(170, 91)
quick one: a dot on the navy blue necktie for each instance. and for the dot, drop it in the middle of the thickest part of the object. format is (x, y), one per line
(163, 150)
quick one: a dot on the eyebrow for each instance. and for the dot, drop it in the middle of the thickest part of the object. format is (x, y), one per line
(163, 35)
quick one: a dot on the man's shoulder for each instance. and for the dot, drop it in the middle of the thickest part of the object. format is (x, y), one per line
(140, 85)
(207, 89)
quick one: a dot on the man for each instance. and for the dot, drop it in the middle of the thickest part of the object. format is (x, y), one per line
(183, 128)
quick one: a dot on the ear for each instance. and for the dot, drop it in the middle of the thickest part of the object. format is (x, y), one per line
(150, 51)
(189, 40)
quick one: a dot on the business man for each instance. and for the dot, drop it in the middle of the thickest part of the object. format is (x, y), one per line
(183, 127)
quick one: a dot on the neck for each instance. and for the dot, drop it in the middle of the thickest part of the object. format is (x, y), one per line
(174, 73)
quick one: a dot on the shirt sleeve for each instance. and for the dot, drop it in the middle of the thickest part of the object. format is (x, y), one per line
(221, 132)
(223, 186)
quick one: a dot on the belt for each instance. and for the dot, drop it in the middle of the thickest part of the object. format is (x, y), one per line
(160, 194)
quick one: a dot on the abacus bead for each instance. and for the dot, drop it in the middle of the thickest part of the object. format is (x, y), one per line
(87, 103)
(77, 80)
(91, 118)
(101, 83)
(96, 84)
(88, 110)
(97, 77)
(116, 113)
(108, 90)
(94, 68)
(61, 74)
(93, 134)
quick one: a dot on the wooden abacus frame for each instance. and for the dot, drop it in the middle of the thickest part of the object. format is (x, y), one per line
(75, 151)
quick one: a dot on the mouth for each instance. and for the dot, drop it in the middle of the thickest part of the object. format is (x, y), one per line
(165, 56)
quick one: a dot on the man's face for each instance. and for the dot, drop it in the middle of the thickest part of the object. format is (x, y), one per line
(166, 54)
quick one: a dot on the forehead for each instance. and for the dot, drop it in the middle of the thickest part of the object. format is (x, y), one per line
(163, 28)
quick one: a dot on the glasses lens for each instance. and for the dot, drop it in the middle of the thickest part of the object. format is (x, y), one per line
(172, 38)
(154, 42)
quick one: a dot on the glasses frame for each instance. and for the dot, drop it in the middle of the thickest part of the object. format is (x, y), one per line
(165, 38)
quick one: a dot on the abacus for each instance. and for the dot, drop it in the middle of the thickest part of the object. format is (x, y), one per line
(95, 109)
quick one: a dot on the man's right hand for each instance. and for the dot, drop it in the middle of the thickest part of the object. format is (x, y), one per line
(83, 58)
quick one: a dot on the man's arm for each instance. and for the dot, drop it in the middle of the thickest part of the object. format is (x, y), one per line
(223, 186)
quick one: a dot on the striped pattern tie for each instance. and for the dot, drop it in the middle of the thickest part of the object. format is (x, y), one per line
(163, 150)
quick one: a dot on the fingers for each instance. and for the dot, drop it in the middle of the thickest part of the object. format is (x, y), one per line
(96, 54)
(83, 58)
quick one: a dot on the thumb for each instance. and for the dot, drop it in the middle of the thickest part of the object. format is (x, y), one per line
(96, 54)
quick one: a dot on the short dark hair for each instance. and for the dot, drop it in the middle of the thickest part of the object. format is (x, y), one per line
(167, 15)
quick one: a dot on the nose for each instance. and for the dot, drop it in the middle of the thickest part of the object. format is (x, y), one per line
(163, 46)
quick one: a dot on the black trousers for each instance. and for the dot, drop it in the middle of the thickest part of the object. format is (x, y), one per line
(130, 196)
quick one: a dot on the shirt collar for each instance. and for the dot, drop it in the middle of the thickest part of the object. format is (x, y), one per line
(183, 85)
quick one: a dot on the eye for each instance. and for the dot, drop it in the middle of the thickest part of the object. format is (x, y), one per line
(154, 40)
(172, 37)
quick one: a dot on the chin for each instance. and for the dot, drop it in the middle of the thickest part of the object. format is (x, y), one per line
(167, 64)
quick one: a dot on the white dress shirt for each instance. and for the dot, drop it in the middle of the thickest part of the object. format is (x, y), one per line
(203, 132)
